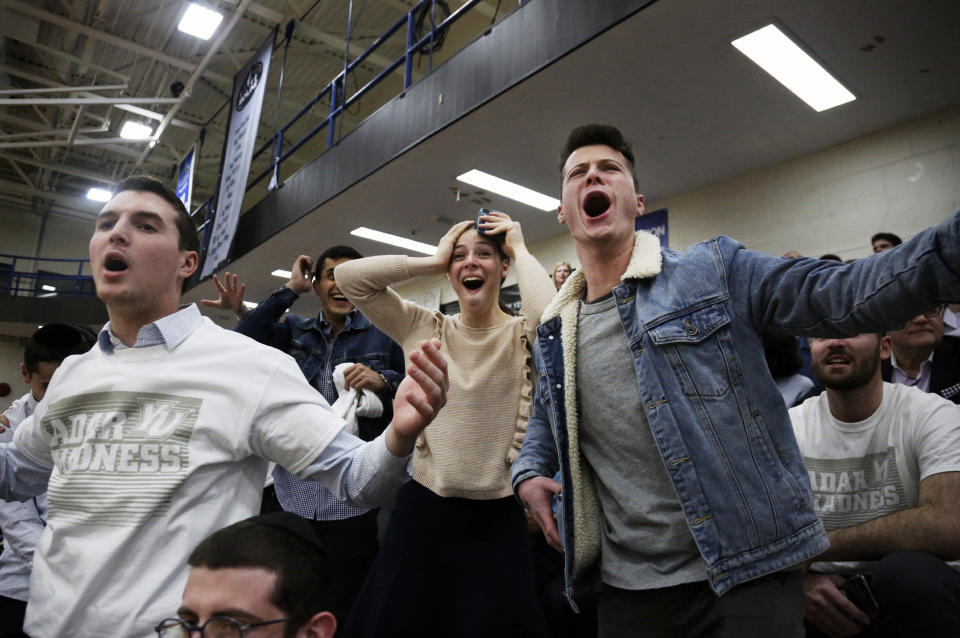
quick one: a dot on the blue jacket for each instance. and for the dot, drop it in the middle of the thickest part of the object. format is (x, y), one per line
(302, 338)
(692, 321)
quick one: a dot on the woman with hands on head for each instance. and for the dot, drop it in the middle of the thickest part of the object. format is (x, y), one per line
(456, 557)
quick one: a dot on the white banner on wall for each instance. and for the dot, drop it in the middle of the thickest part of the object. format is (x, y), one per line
(248, 89)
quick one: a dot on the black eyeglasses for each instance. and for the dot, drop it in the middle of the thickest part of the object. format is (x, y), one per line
(215, 627)
(935, 312)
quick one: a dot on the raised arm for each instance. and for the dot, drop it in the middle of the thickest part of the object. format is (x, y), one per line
(366, 283)
(263, 323)
(825, 298)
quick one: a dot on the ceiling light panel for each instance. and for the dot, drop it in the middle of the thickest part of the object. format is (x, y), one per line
(99, 195)
(782, 58)
(515, 192)
(135, 131)
(394, 240)
(199, 21)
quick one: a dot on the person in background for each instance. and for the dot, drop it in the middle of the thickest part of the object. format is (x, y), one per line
(884, 241)
(22, 522)
(884, 463)
(783, 359)
(560, 273)
(922, 356)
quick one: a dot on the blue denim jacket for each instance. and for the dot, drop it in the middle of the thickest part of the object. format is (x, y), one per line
(692, 320)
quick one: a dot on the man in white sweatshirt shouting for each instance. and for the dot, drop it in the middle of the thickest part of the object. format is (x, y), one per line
(161, 434)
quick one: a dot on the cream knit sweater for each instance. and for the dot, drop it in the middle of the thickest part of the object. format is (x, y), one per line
(467, 451)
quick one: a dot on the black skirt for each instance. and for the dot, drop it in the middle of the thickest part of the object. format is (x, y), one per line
(450, 567)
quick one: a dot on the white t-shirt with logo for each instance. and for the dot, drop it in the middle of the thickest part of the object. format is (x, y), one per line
(861, 471)
(152, 451)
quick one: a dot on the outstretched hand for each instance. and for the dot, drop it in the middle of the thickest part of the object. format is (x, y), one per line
(826, 607)
(497, 223)
(536, 494)
(231, 295)
(419, 397)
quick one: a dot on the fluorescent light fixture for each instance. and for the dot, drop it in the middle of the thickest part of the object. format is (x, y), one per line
(199, 21)
(250, 304)
(135, 131)
(394, 240)
(99, 194)
(780, 56)
(285, 274)
(48, 288)
(519, 193)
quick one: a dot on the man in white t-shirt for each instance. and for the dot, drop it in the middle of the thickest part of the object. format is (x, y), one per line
(161, 434)
(884, 464)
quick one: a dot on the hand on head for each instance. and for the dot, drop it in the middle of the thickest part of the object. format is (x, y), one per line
(497, 223)
(301, 274)
(447, 242)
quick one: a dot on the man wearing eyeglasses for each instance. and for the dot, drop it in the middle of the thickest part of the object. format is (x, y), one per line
(266, 576)
(922, 356)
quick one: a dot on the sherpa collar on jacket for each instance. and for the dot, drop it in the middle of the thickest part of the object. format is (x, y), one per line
(645, 262)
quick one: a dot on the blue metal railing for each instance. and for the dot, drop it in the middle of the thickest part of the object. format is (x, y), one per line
(336, 88)
(59, 277)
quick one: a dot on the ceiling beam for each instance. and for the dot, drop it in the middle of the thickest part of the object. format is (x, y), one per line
(76, 202)
(79, 141)
(72, 58)
(65, 89)
(310, 32)
(20, 172)
(69, 170)
(47, 101)
(222, 34)
(111, 39)
(49, 133)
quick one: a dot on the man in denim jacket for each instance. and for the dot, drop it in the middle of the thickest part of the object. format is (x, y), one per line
(337, 335)
(683, 491)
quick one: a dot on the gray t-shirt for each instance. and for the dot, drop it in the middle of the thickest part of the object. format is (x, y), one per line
(646, 542)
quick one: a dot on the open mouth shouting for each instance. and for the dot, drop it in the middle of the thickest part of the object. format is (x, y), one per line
(114, 264)
(472, 283)
(596, 204)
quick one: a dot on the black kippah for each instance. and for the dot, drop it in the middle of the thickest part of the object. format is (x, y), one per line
(296, 525)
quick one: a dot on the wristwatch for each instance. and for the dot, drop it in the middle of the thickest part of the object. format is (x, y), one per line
(386, 382)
